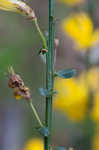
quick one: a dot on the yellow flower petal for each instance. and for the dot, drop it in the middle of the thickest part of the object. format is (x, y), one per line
(95, 111)
(17, 6)
(8, 5)
(18, 97)
(80, 28)
(34, 144)
(91, 79)
(72, 98)
(70, 2)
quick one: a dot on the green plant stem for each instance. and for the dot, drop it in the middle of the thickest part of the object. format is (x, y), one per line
(49, 74)
(36, 114)
(41, 34)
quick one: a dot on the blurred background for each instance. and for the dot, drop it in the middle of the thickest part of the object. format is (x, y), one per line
(76, 106)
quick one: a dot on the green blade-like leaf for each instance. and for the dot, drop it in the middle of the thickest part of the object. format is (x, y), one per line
(66, 73)
(44, 92)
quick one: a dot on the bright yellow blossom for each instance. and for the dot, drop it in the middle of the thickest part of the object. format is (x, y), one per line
(71, 2)
(34, 144)
(80, 28)
(17, 6)
(72, 98)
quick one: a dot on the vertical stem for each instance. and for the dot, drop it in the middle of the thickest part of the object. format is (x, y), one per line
(49, 73)
(91, 9)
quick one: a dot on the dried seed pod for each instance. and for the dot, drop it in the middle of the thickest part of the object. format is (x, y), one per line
(17, 94)
(22, 93)
(15, 81)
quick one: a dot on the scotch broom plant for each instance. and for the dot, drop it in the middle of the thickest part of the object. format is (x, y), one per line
(20, 91)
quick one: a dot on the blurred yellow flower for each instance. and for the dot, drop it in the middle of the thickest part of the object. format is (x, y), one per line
(17, 6)
(91, 78)
(34, 144)
(95, 144)
(95, 110)
(71, 2)
(72, 98)
(80, 28)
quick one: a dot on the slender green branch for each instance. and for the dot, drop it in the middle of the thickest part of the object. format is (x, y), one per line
(36, 114)
(49, 73)
(41, 34)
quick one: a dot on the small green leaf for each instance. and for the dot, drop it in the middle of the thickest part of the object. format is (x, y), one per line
(60, 148)
(66, 73)
(44, 92)
(44, 131)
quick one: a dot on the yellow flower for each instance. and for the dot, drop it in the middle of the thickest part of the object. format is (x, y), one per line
(91, 78)
(18, 97)
(91, 81)
(34, 144)
(95, 144)
(95, 110)
(71, 2)
(72, 98)
(17, 6)
(80, 28)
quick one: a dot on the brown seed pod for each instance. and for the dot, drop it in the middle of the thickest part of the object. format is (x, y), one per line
(22, 93)
(15, 81)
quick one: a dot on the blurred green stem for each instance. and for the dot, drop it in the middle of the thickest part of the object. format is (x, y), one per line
(36, 114)
(49, 73)
(91, 9)
(41, 34)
